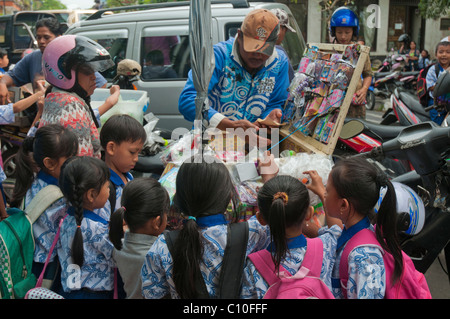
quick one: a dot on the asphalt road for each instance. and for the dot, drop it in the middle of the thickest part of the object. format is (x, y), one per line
(436, 276)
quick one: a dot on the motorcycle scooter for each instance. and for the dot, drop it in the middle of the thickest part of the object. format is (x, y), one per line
(427, 146)
(405, 109)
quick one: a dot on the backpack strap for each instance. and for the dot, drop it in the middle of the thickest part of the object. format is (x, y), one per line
(233, 261)
(362, 238)
(262, 260)
(43, 199)
(313, 257)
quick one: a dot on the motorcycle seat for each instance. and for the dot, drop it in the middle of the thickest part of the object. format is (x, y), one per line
(150, 164)
(413, 103)
(386, 132)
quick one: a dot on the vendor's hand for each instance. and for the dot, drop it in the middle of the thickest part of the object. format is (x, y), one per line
(267, 167)
(315, 185)
(361, 95)
(275, 115)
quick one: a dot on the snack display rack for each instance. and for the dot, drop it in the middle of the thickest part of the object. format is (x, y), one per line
(315, 112)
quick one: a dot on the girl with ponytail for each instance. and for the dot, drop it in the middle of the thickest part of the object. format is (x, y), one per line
(39, 162)
(85, 252)
(284, 205)
(203, 192)
(144, 207)
(360, 196)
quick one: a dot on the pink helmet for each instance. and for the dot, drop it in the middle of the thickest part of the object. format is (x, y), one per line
(64, 54)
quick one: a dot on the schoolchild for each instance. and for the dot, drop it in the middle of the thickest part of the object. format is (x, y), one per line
(203, 192)
(85, 251)
(344, 27)
(39, 162)
(284, 205)
(354, 190)
(143, 211)
(122, 138)
(443, 57)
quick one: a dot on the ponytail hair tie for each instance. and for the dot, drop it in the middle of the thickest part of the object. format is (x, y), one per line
(123, 207)
(281, 195)
(193, 218)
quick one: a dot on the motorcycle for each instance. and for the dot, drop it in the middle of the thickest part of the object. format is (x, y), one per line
(427, 146)
(405, 109)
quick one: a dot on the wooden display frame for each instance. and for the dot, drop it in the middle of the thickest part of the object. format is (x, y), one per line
(308, 143)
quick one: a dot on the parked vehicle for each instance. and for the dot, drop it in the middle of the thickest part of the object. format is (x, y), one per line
(133, 35)
(427, 146)
(405, 109)
(17, 32)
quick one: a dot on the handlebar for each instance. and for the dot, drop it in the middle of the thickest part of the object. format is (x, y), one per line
(422, 144)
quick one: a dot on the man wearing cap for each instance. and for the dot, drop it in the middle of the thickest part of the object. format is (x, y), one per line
(250, 79)
(284, 27)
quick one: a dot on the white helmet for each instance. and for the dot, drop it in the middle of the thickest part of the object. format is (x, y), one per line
(409, 203)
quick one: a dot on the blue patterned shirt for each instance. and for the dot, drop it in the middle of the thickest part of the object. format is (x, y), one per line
(46, 226)
(97, 271)
(366, 277)
(157, 278)
(255, 287)
(7, 115)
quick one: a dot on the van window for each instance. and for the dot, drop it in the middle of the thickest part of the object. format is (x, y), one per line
(115, 41)
(165, 57)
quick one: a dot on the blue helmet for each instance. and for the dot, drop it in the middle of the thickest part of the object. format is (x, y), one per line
(344, 17)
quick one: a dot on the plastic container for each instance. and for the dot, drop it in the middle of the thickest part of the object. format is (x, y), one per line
(131, 102)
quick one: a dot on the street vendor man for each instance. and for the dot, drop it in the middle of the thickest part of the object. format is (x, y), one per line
(250, 81)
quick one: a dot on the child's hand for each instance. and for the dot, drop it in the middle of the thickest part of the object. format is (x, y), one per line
(115, 94)
(267, 166)
(316, 185)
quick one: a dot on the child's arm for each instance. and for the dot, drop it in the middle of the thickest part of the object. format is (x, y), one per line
(267, 167)
(111, 100)
(317, 187)
(27, 102)
(3, 213)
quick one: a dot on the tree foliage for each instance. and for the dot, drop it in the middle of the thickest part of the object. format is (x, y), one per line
(434, 9)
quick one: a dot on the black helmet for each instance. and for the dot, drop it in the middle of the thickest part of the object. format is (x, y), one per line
(404, 38)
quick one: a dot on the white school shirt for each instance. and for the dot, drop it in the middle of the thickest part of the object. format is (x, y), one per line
(157, 277)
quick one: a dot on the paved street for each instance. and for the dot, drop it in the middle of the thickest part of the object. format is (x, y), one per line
(437, 279)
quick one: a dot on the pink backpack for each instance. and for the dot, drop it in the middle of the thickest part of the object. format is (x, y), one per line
(412, 283)
(305, 284)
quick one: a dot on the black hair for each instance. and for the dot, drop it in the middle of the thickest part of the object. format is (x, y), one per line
(122, 128)
(156, 57)
(78, 175)
(360, 182)
(53, 141)
(203, 188)
(52, 25)
(3, 52)
(283, 202)
(441, 44)
(143, 199)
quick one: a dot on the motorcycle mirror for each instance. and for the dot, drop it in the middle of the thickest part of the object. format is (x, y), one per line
(351, 129)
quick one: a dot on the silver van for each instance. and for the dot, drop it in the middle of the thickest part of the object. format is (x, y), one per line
(163, 28)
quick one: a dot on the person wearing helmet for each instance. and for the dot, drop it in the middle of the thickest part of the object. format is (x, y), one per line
(29, 69)
(69, 64)
(344, 28)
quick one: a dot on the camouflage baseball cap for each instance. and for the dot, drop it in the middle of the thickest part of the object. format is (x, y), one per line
(260, 29)
(284, 19)
(128, 67)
